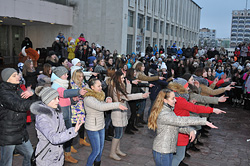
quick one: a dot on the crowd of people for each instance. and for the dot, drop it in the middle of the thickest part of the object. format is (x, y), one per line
(86, 88)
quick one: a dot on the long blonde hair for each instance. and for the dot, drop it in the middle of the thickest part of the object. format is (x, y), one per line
(157, 107)
(27, 68)
(75, 77)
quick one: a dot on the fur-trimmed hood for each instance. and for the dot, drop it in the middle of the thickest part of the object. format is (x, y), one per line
(39, 107)
(177, 88)
(98, 95)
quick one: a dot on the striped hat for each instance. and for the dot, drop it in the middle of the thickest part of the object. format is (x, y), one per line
(47, 94)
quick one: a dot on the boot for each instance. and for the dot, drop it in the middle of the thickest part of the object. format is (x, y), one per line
(141, 120)
(107, 137)
(187, 155)
(183, 164)
(193, 148)
(128, 131)
(97, 163)
(199, 143)
(133, 128)
(73, 150)
(114, 145)
(137, 121)
(69, 158)
(118, 151)
(84, 142)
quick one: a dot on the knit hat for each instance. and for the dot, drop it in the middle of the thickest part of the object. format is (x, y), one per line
(187, 76)
(47, 94)
(6, 73)
(59, 71)
(240, 68)
(181, 81)
(159, 59)
(236, 65)
(74, 68)
(248, 65)
(75, 61)
(56, 38)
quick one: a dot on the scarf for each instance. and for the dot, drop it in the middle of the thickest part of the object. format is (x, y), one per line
(98, 95)
(63, 83)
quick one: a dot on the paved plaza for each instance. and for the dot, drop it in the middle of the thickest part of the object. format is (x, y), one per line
(226, 146)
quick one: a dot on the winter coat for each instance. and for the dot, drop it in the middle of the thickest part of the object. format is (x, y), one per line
(219, 74)
(141, 76)
(43, 80)
(206, 91)
(64, 96)
(13, 115)
(31, 79)
(95, 107)
(158, 86)
(168, 126)
(183, 108)
(51, 128)
(119, 117)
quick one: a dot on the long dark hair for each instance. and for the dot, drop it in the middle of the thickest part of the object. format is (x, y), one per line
(130, 74)
(117, 86)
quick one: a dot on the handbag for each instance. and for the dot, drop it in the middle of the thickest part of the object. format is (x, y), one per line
(33, 156)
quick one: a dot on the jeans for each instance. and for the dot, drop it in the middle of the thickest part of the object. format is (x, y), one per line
(96, 139)
(163, 159)
(68, 123)
(24, 149)
(179, 156)
(118, 132)
(107, 120)
(142, 106)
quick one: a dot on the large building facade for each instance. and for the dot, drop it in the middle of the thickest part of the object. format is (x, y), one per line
(207, 37)
(125, 25)
(240, 27)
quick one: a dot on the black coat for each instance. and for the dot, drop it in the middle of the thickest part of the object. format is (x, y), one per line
(12, 115)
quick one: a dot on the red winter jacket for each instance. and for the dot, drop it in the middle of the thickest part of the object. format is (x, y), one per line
(182, 108)
(219, 83)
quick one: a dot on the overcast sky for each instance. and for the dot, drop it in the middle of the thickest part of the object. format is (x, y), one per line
(217, 14)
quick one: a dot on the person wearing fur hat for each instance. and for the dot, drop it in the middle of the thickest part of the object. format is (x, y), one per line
(183, 108)
(52, 59)
(50, 127)
(94, 123)
(60, 83)
(14, 106)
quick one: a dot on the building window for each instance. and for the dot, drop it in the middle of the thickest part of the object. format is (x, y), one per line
(130, 18)
(161, 27)
(148, 23)
(154, 41)
(147, 41)
(129, 43)
(155, 25)
(176, 31)
(166, 44)
(167, 28)
(139, 21)
(172, 30)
